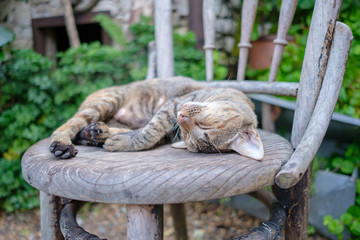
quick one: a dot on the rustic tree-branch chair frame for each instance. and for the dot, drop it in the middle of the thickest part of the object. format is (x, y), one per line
(147, 180)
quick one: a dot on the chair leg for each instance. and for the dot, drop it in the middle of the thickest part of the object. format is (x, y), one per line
(296, 202)
(179, 218)
(145, 222)
(50, 209)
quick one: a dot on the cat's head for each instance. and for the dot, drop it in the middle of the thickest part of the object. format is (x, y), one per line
(220, 126)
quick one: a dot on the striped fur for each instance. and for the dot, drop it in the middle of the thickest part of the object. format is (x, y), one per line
(139, 115)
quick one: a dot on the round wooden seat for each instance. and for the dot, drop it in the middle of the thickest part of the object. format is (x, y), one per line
(158, 176)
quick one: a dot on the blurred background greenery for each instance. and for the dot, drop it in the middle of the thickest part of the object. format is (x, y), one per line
(38, 94)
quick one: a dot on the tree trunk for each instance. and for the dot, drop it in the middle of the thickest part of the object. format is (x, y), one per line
(70, 24)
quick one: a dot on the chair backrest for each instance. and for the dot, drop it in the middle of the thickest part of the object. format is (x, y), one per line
(322, 71)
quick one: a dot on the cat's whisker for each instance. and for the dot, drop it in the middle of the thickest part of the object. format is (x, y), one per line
(176, 127)
(211, 143)
(176, 135)
(214, 146)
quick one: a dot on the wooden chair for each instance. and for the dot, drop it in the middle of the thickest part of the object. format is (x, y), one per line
(146, 180)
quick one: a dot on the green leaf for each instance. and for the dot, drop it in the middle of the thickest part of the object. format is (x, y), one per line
(346, 218)
(306, 4)
(358, 186)
(311, 229)
(354, 210)
(6, 36)
(347, 167)
(335, 227)
(337, 162)
(327, 220)
(355, 228)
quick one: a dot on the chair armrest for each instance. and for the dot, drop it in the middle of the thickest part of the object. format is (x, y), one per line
(289, 89)
(302, 157)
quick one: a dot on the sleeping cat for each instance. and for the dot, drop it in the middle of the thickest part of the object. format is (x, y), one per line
(139, 115)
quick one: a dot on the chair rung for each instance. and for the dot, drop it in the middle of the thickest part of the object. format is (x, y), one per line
(289, 89)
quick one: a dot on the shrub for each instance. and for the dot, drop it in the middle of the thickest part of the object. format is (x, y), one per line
(25, 106)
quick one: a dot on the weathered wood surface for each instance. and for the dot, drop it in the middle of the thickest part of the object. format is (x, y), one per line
(314, 64)
(50, 209)
(315, 132)
(158, 176)
(296, 202)
(248, 14)
(145, 222)
(164, 38)
(151, 70)
(69, 227)
(209, 36)
(287, 12)
(276, 88)
(270, 230)
(178, 214)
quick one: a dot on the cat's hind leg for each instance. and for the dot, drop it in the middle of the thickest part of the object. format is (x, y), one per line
(95, 134)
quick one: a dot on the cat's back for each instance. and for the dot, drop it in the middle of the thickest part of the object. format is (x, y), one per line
(223, 94)
(174, 86)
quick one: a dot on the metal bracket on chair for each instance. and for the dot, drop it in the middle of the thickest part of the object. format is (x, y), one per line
(270, 230)
(68, 225)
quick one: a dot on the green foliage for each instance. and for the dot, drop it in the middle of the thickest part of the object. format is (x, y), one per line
(346, 163)
(349, 98)
(37, 96)
(311, 229)
(291, 63)
(349, 220)
(25, 102)
(111, 28)
(18, 194)
(190, 62)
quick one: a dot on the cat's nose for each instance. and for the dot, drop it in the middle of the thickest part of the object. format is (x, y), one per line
(181, 117)
(183, 120)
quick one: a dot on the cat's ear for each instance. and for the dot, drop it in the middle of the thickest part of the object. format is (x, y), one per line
(180, 145)
(248, 143)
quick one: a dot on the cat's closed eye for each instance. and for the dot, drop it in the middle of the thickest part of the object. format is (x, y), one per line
(202, 126)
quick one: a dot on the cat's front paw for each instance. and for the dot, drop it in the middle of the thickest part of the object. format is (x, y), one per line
(121, 142)
(63, 150)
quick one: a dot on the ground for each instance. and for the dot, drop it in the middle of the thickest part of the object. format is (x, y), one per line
(206, 221)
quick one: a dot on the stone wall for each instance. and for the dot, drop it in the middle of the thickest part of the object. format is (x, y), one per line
(16, 15)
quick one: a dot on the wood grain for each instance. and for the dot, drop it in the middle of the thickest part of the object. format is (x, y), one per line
(315, 132)
(151, 70)
(209, 36)
(287, 12)
(50, 209)
(276, 88)
(145, 222)
(314, 66)
(162, 175)
(248, 14)
(164, 38)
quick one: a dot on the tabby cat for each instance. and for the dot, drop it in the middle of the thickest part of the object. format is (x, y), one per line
(139, 115)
